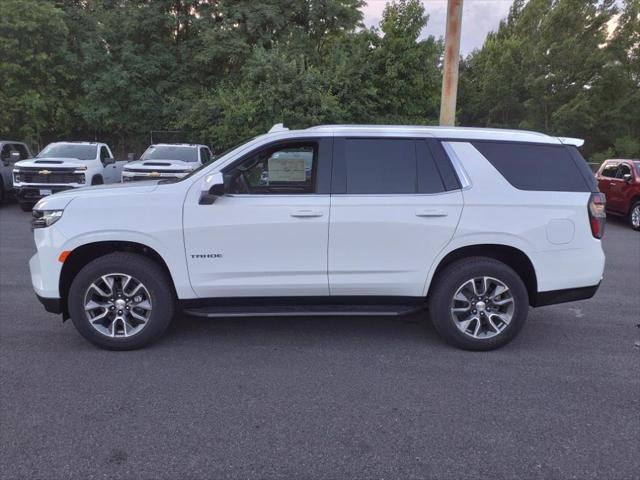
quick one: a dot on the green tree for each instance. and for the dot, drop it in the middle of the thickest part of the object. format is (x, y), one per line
(34, 73)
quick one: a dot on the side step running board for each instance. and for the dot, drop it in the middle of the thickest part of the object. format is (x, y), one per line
(303, 310)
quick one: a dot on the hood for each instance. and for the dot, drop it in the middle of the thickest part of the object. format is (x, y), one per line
(61, 199)
(51, 163)
(161, 165)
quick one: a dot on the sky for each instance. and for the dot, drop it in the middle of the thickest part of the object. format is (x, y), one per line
(479, 17)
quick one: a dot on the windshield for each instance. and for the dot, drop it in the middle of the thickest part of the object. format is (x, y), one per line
(69, 150)
(171, 152)
(215, 158)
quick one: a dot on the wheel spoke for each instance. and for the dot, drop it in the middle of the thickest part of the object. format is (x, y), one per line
(144, 305)
(502, 302)
(137, 316)
(100, 316)
(493, 325)
(92, 305)
(503, 318)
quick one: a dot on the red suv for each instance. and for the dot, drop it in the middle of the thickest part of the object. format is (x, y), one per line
(619, 180)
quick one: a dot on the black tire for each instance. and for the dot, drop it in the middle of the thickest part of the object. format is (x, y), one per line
(146, 271)
(452, 278)
(26, 206)
(636, 205)
(97, 180)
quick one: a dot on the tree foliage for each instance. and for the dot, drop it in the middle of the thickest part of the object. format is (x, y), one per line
(224, 70)
(567, 67)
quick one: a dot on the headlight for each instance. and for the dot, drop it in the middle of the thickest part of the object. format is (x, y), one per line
(17, 176)
(45, 218)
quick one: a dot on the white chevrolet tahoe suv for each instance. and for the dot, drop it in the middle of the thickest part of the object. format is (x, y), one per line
(63, 166)
(473, 225)
(167, 160)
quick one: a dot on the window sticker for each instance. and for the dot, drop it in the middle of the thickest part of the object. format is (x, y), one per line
(286, 169)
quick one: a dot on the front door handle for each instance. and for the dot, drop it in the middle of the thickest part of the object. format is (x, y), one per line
(431, 212)
(306, 213)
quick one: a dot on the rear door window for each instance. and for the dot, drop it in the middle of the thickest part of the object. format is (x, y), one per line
(385, 166)
(537, 167)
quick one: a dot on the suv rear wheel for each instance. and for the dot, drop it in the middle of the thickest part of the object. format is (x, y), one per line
(121, 301)
(478, 303)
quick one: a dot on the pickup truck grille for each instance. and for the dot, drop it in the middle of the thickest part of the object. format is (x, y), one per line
(53, 177)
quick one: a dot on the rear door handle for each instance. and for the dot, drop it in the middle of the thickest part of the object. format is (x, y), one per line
(433, 212)
(306, 213)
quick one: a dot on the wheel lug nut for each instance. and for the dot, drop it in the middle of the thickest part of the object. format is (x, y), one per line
(119, 312)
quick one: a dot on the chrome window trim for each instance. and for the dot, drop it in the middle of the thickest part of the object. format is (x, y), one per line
(465, 181)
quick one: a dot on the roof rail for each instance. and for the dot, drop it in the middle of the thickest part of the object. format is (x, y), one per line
(278, 127)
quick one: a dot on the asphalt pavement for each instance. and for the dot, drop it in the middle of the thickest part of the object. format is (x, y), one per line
(326, 398)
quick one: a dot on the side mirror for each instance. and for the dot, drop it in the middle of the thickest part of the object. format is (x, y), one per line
(213, 188)
(14, 157)
(108, 161)
(627, 177)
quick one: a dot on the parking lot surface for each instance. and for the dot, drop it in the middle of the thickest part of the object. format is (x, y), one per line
(322, 397)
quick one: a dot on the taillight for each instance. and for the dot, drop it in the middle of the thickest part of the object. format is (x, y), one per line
(597, 215)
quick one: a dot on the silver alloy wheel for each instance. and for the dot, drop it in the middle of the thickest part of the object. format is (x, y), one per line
(117, 305)
(482, 307)
(635, 217)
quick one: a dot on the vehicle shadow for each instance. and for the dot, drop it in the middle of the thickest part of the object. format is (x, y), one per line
(301, 330)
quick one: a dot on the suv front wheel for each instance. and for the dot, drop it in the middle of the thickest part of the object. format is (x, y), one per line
(121, 301)
(478, 303)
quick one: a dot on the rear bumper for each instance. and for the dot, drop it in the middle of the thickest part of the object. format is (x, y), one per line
(553, 297)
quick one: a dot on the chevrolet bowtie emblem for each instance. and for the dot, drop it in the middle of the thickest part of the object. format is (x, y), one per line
(154, 174)
(44, 172)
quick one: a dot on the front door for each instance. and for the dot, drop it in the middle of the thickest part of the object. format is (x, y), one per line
(268, 235)
(391, 214)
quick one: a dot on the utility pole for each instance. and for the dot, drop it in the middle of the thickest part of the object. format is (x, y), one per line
(451, 61)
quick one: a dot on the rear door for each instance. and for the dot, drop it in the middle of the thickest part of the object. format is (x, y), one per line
(395, 204)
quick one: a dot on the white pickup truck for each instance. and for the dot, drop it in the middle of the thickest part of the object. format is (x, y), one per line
(63, 166)
(167, 161)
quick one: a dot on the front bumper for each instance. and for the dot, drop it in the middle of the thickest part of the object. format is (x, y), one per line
(51, 305)
(32, 193)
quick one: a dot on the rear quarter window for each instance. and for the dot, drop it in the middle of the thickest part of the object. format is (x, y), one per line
(537, 167)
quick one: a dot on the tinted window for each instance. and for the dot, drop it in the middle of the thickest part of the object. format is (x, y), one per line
(5, 153)
(610, 170)
(69, 150)
(429, 176)
(24, 153)
(104, 153)
(379, 166)
(171, 152)
(623, 170)
(283, 169)
(204, 155)
(534, 166)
